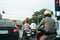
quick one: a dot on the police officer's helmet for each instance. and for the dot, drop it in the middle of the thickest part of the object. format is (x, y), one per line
(47, 12)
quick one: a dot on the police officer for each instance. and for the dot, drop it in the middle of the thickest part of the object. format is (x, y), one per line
(49, 25)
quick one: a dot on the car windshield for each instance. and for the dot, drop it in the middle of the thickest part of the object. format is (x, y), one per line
(7, 23)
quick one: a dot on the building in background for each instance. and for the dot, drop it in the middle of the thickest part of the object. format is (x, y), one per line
(18, 23)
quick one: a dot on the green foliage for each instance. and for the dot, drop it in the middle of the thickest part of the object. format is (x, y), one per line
(42, 11)
(37, 16)
(36, 13)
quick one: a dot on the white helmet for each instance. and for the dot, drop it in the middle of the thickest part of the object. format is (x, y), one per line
(47, 12)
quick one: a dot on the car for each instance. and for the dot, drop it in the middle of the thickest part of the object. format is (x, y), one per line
(8, 30)
(18, 23)
(57, 26)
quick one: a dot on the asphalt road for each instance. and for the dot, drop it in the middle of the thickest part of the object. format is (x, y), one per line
(21, 33)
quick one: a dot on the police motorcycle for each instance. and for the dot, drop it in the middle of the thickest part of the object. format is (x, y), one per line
(41, 32)
(50, 38)
(27, 34)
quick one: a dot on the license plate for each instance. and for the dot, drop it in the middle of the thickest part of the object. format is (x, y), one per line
(32, 32)
(3, 31)
(28, 34)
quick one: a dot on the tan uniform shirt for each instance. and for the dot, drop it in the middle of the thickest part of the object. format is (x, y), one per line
(49, 24)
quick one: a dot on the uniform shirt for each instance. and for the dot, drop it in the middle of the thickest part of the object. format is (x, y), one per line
(49, 24)
(33, 26)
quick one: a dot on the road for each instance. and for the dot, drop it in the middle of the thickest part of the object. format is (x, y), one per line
(21, 33)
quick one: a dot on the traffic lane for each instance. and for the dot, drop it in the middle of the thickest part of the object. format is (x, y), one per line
(30, 38)
(21, 33)
(35, 38)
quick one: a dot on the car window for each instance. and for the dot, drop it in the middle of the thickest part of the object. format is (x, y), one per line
(7, 23)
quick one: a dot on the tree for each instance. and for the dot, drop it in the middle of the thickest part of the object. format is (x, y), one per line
(38, 15)
(27, 19)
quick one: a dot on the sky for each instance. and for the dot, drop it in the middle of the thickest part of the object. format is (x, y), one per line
(20, 9)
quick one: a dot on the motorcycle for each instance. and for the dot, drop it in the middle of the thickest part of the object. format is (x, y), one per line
(38, 35)
(33, 32)
(41, 32)
(26, 34)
